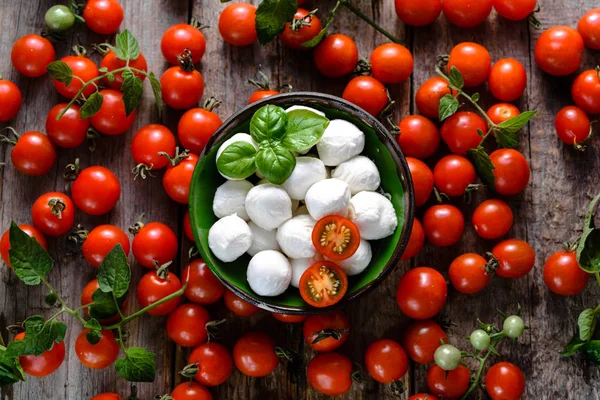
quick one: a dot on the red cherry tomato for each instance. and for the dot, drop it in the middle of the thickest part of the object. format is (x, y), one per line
(453, 174)
(507, 80)
(423, 396)
(367, 93)
(237, 24)
(572, 125)
(99, 355)
(421, 340)
(391, 63)
(96, 190)
(330, 373)
(448, 384)
(196, 127)
(505, 381)
(203, 286)
(254, 354)
(101, 240)
(515, 258)
(316, 324)
(107, 396)
(563, 275)
(44, 364)
(177, 179)
(415, 242)
(262, 94)
(187, 226)
(181, 89)
(422, 293)
(501, 112)
(443, 224)
(152, 288)
(148, 142)
(32, 231)
(559, 51)
(10, 100)
(239, 306)
(289, 318)
(83, 68)
(386, 361)
(180, 37)
(304, 28)
(190, 391)
(461, 131)
(466, 13)
(515, 10)
(492, 219)
(111, 63)
(586, 91)
(186, 325)
(589, 28)
(422, 178)
(511, 170)
(214, 363)
(429, 94)
(335, 237)
(86, 298)
(53, 213)
(471, 59)
(323, 284)
(33, 154)
(468, 274)
(419, 137)
(155, 244)
(418, 13)
(31, 54)
(336, 56)
(70, 130)
(103, 16)
(111, 119)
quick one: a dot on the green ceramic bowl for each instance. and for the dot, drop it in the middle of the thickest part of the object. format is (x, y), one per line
(380, 147)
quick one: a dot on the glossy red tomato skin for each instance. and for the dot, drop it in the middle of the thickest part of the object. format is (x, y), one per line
(111, 63)
(186, 325)
(319, 322)
(86, 298)
(177, 179)
(448, 384)
(46, 221)
(507, 80)
(103, 16)
(10, 100)
(429, 94)
(443, 224)
(418, 13)
(34, 154)
(196, 127)
(572, 125)
(99, 355)
(101, 240)
(70, 130)
(190, 391)
(294, 39)
(187, 226)
(419, 137)
(492, 219)
(262, 94)
(505, 381)
(453, 174)
(423, 396)
(467, 273)
(391, 63)
(254, 354)
(386, 361)
(32, 231)
(515, 258)
(466, 13)
(422, 178)
(589, 28)
(421, 293)
(586, 91)
(96, 190)
(239, 306)
(111, 119)
(511, 171)
(421, 340)
(415, 242)
(367, 93)
(473, 61)
(460, 131)
(237, 24)
(151, 140)
(181, 89)
(203, 287)
(44, 364)
(563, 275)
(151, 288)
(180, 37)
(82, 67)
(559, 51)
(501, 112)
(155, 243)
(214, 361)
(330, 373)
(289, 318)
(515, 10)
(31, 54)
(107, 396)
(336, 56)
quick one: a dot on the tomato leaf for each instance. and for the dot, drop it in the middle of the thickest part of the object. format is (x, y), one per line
(114, 273)
(60, 71)
(276, 163)
(139, 365)
(127, 47)
(157, 90)
(30, 261)
(92, 105)
(51, 299)
(237, 160)
(483, 165)
(10, 369)
(587, 324)
(304, 129)
(317, 39)
(591, 350)
(507, 139)
(95, 334)
(268, 124)
(39, 337)
(103, 306)
(448, 106)
(271, 17)
(515, 124)
(573, 346)
(588, 250)
(455, 79)
(132, 88)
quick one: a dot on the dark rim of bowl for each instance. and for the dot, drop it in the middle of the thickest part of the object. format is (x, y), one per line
(383, 134)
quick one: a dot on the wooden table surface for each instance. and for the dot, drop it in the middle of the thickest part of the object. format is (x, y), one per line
(548, 213)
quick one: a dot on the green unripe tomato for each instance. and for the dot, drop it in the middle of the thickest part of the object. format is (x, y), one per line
(480, 340)
(447, 357)
(513, 326)
(59, 18)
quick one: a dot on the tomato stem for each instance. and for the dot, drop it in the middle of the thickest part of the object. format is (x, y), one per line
(482, 361)
(597, 275)
(367, 19)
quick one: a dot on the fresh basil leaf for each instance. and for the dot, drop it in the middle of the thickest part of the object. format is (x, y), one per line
(114, 273)
(507, 139)
(132, 88)
(60, 71)
(588, 250)
(304, 129)
(448, 106)
(30, 261)
(271, 17)
(39, 337)
(483, 165)
(10, 369)
(317, 39)
(268, 124)
(103, 306)
(127, 47)
(157, 90)
(591, 350)
(455, 79)
(573, 346)
(276, 163)
(92, 105)
(139, 365)
(587, 324)
(237, 160)
(515, 124)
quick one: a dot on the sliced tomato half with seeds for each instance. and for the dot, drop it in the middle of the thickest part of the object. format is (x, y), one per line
(337, 238)
(323, 284)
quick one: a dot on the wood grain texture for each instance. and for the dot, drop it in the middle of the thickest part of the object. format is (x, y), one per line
(547, 214)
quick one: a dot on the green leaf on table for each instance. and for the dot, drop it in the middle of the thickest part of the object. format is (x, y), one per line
(455, 79)
(573, 346)
(237, 160)
(483, 165)
(30, 261)
(60, 71)
(10, 369)
(271, 17)
(103, 305)
(92, 105)
(314, 42)
(40, 336)
(591, 350)
(268, 124)
(127, 47)
(304, 129)
(138, 365)
(156, 89)
(588, 250)
(276, 163)
(448, 106)
(515, 124)
(132, 88)
(587, 322)
(114, 274)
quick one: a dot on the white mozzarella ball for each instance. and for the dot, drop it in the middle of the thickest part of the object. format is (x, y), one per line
(230, 198)
(299, 265)
(293, 108)
(229, 238)
(308, 171)
(262, 239)
(341, 141)
(359, 261)
(328, 197)
(373, 214)
(238, 137)
(269, 273)
(295, 237)
(268, 206)
(360, 173)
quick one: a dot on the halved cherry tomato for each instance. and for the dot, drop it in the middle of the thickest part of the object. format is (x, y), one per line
(32, 231)
(31, 54)
(303, 29)
(239, 306)
(507, 80)
(99, 355)
(559, 51)
(53, 213)
(70, 130)
(315, 326)
(111, 62)
(471, 59)
(429, 94)
(323, 284)
(421, 340)
(468, 274)
(572, 125)
(289, 318)
(44, 364)
(337, 238)
(415, 242)
(515, 258)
